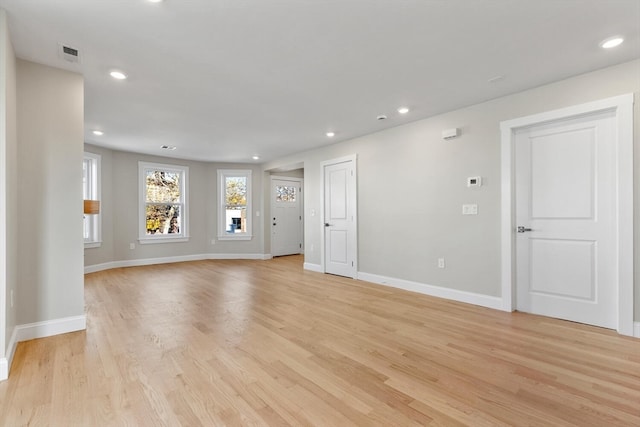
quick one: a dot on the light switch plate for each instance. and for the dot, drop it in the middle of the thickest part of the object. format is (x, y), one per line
(470, 209)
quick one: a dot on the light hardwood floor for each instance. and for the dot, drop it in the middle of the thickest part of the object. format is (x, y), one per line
(264, 343)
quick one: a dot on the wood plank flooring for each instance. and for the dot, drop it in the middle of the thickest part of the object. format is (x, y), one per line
(264, 343)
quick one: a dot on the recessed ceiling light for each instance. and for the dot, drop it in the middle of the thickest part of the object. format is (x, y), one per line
(403, 110)
(98, 132)
(611, 42)
(331, 134)
(256, 157)
(118, 75)
(167, 147)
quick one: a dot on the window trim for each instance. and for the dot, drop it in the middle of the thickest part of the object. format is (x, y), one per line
(96, 194)
(223, 174)
(183, 236)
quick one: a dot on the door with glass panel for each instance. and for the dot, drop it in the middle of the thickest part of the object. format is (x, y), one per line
(286, 216)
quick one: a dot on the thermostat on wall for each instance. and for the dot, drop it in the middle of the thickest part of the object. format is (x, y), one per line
(474, 181)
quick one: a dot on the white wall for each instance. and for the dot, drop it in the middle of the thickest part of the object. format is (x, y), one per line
(8, 192)
(409, 166)
(50, 134)
(120, 211)
(413, 167)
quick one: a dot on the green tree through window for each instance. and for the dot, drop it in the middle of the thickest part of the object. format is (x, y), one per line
(234, 216)
(164, 200)
(236, 192)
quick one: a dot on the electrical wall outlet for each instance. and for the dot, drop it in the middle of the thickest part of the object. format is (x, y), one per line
(132, 245)
(440, 262)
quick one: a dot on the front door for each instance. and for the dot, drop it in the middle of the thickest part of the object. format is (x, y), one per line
(565, 210)
(340, 239)
(286, 216)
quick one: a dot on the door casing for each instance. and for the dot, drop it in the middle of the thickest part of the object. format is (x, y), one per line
(623, 107)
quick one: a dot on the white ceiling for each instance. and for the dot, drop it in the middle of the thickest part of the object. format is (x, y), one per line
(223, 80)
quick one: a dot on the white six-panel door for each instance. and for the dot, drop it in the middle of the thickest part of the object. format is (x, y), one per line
(565, 209)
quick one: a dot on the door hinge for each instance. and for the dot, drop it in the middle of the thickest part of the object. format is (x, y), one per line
(351, 263)
(300, 217)
(300, 245)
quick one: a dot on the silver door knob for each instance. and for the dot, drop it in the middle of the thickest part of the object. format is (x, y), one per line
(521, 229)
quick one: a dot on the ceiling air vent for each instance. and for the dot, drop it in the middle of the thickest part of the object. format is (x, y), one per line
(68, 53)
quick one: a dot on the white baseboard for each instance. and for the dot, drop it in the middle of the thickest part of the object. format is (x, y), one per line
(35, 330)
(313, 267)
(5, 362)
(168, 260)
(239, 256)
(49, 328)
(4, 368)
(636, 329)
(99, 267)
(435, 291)
(11, 350)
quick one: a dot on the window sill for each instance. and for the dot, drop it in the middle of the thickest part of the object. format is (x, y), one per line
(154, 240)
(234, 237)
(90, 245)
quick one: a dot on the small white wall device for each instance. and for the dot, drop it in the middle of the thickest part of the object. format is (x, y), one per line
(474, 181)
(450, 133)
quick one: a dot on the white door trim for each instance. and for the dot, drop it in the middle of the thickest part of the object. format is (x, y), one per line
(350, 158)
(623, 107)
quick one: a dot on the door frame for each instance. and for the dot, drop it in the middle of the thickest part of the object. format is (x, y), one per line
(622, 106)
(300, 181)
(354, 199)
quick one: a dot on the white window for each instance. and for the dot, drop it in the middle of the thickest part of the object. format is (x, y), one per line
(163, 203)
(234, 195)
(91, 191)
